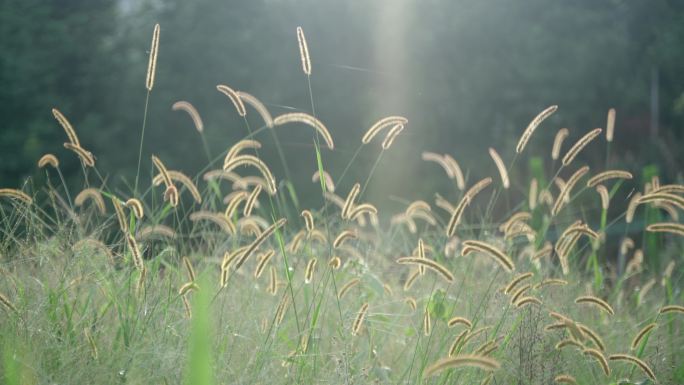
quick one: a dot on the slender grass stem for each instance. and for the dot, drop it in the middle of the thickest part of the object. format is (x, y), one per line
(142, 139)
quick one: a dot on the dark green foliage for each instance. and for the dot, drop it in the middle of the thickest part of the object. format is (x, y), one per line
(462, 67)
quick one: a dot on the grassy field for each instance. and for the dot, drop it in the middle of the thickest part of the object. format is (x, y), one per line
(220, 278)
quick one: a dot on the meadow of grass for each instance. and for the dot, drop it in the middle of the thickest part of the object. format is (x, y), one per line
(219, 278)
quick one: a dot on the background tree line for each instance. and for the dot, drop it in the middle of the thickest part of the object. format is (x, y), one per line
(468, 74)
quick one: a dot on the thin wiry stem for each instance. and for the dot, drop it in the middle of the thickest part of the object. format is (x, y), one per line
(66, 189)
(206, 147)
(372, 171)
(142, 139)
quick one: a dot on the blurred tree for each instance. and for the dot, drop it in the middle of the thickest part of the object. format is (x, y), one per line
(452, 67)
(54, 54)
